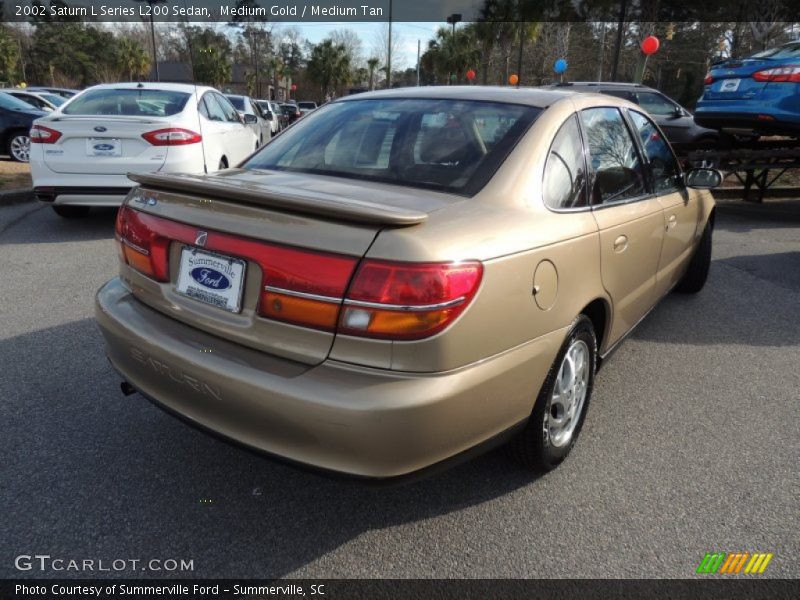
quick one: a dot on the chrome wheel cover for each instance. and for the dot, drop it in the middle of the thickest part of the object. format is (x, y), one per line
(565, 406)
(20, 148)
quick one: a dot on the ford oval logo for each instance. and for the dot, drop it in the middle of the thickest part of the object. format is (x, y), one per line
(100, 129)
(104, 147)
(210, 278)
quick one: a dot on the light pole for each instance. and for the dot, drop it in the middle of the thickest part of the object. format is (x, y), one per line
(452, 20)
(389, 51)
(152, 3)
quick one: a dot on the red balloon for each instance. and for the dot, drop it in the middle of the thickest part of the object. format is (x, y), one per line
(470, 75)
(650, 45)
(294, 87)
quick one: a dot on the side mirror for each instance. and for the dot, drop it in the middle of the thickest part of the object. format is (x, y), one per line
(268, 116)
(703, 179)
(250, 119)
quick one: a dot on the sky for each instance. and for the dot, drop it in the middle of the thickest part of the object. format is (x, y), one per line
(408, 34)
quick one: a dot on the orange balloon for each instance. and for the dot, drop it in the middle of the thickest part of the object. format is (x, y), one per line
(513, 79)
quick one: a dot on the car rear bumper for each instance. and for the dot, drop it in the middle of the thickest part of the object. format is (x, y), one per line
(338, 417)
(85, 196)
(744, 115)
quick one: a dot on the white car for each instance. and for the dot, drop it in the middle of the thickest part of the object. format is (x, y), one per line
(248, 110)
(270, 113)
(82, 152)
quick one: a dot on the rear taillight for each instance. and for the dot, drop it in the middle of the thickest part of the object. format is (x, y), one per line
(396, 300)
(387, 300)
(172, 136)
(708, 80)
(141, 246)
(303, 287)
(44, 135)
(786, 74)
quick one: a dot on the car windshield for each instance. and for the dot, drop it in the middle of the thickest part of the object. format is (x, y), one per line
(128, 102)
(237, 101)
(306, 105)
(448, 145)
(9, 102)
(54, 99)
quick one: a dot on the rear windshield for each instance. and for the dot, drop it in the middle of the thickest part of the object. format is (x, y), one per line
(306, 105)
(237, 101)
(9, 102)
(787, 51)
(54, 99)
(128, 102)
(449, 145)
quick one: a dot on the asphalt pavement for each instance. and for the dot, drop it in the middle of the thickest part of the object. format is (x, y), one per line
(690, 445)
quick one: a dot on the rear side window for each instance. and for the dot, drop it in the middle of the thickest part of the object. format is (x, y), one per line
(655, 104)
(617, 169)
(662, 162)
(227, 108)
(443, 144)
(210, 108)
(564, 172)
(128, 102)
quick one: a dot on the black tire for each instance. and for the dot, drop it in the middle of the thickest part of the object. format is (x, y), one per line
(696, 274)
(71, 212)
(532, 447)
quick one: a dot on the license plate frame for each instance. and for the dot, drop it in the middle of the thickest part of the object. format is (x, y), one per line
(103, 147)
(197, 266)
(729, 85)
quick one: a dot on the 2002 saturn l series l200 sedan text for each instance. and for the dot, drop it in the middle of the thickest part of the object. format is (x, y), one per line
(406, 276)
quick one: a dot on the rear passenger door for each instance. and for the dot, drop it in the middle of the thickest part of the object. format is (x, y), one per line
(681, 207)
(629, 217)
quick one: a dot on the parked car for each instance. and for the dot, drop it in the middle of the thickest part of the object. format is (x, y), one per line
(251, 114)
(282, 116)
(63, 92)
(306, 107)
(268, 113)
(675, 121)
(82, 152)
(16, 118)
(755, 95)
(406, 276)
(35, 99)
(291, 111)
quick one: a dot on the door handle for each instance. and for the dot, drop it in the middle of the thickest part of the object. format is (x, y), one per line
(621, 243)
(671, 222)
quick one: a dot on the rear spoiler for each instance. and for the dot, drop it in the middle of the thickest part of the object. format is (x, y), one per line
(320, 205)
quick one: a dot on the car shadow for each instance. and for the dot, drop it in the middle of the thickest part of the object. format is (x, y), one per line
(92, 473)
(741, 217)
(52, 229)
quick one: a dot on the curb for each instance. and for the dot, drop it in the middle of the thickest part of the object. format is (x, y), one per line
(16, 196)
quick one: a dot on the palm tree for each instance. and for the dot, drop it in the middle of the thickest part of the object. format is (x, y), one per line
(132, 59)
(372, 64)
(329, 66)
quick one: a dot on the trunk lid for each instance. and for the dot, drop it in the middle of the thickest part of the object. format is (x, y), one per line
(276, 210)
(733, 80)
(110, 145)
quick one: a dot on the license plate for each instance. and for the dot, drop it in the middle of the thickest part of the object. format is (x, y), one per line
(103, 147)
(211, 278)
(730, 85)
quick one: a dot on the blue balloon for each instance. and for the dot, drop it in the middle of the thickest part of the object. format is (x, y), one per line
(560, 66)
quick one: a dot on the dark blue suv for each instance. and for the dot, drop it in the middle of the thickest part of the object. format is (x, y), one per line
(756, 95)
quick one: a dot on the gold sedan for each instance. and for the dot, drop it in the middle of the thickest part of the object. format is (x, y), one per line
(406, 277)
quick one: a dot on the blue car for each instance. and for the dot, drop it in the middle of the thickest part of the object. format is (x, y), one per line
(758, 95)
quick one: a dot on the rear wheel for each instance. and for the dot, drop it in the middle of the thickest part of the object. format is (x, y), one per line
(557, 417)
(696, 274)
(71, 212)
(19, 146)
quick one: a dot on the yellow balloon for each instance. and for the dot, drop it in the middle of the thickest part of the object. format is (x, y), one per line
(23, 85)
(513, 79)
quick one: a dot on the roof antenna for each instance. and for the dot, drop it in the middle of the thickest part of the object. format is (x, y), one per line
(140, 85)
